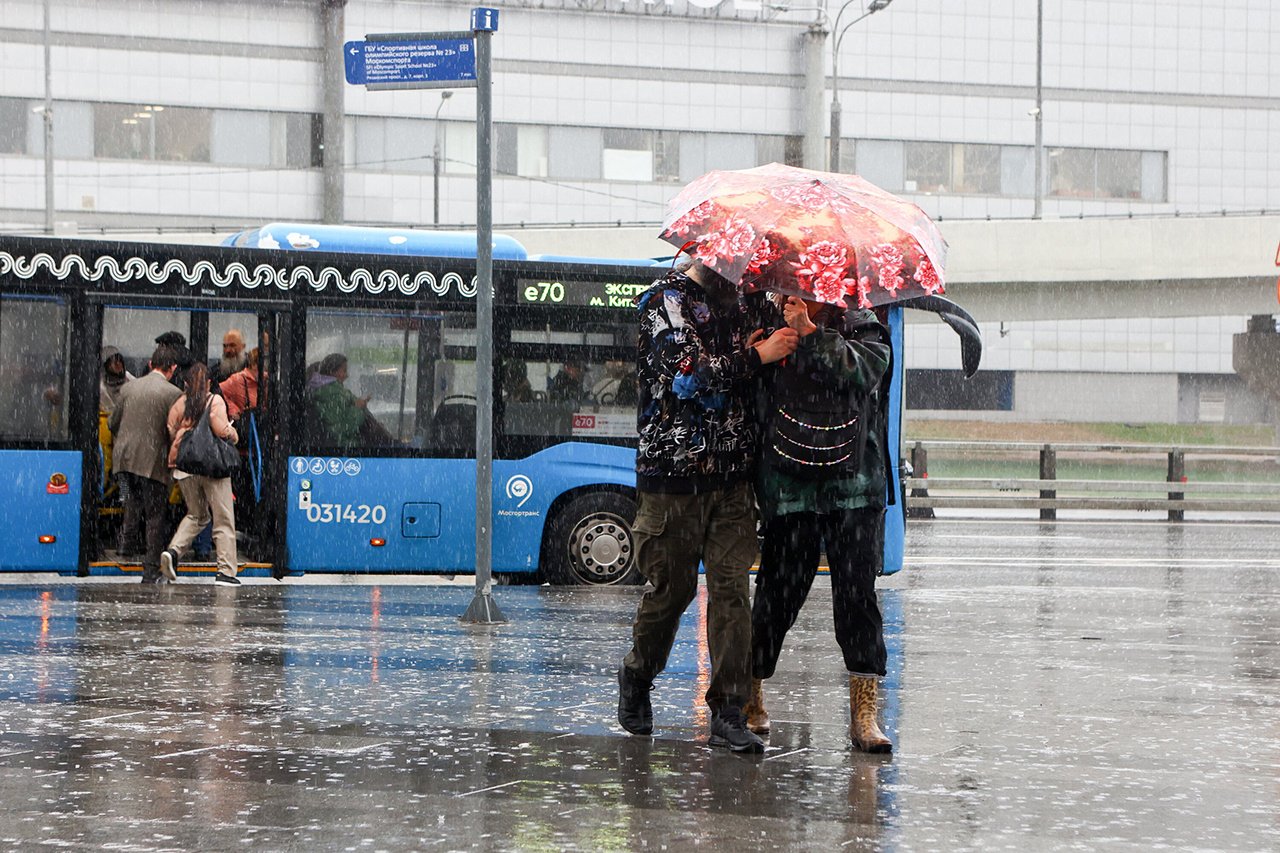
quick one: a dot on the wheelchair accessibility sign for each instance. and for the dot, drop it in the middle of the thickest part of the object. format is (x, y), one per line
(332, 465)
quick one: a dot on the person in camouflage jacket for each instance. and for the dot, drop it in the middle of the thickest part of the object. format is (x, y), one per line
(696, 359)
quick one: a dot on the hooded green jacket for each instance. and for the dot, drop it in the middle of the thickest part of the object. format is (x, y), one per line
(853, 353)
(340, 417)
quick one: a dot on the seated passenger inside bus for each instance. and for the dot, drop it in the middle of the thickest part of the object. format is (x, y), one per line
(336, 415)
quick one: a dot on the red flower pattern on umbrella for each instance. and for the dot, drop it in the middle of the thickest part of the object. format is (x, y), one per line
(699, 214)
(766, 254)
(812, 234)
(888, 260)
(862, 289)
(821, 271)
(927, 277)
(736, 239)
(811, 197)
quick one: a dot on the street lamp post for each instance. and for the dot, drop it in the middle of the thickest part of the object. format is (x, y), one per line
(1039, 112)
(435, 160)
(833, 164)
(48, 126)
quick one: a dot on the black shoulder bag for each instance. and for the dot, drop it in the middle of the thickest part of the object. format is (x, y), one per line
(203, 453)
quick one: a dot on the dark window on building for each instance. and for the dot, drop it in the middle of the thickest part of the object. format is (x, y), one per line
(793, 151)
(948, 390)
(926, 167)
(666, 156)
(304, 140)
(151, 132)
(975, 169)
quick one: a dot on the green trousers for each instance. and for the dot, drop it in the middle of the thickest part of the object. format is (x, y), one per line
(673, 533)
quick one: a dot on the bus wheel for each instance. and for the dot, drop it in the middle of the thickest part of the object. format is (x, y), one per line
(590, 542)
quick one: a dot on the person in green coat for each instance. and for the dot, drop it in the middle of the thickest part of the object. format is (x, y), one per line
(340, 413)
(821, 486)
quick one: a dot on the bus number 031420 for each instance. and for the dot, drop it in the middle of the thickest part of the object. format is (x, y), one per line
(346, 514)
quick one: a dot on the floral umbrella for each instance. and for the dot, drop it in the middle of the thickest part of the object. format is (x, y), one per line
(812, 234)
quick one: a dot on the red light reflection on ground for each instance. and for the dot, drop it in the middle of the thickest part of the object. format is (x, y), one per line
(704, 663)
(375, 620)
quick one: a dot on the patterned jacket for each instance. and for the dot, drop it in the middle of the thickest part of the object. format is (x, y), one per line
(695, 371)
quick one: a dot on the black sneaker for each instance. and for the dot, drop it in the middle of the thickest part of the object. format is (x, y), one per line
(222, 578)
(635, 714)
(729, 729)
(168, 565)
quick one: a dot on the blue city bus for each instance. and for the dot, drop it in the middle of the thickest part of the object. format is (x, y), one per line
(377, 480)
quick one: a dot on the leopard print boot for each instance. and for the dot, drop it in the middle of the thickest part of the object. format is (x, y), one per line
(863, 728)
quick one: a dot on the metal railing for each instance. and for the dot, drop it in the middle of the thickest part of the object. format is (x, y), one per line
(1047, 493)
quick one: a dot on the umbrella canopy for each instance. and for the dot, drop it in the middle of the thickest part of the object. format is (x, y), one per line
(812, 234)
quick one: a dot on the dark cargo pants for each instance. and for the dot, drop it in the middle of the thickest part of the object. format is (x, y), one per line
(672, 534)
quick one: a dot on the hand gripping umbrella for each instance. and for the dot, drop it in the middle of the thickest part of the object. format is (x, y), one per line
(816, 235)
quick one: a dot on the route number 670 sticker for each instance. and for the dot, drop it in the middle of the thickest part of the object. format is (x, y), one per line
(346, 514)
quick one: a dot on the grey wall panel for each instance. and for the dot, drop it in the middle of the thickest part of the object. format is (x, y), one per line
(241, 138)
(576, 153)
(880, 162)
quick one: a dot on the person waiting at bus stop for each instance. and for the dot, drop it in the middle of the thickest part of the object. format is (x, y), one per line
(697, 455)
(822, 483)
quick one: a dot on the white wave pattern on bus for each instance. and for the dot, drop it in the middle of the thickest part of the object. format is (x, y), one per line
(262, 275)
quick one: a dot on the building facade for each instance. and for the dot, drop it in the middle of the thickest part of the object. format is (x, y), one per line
(212, 115)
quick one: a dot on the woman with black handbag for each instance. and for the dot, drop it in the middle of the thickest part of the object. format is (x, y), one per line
(822, 483)
(202, 454)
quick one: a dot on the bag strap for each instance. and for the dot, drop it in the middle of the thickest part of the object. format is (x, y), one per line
(886, 382)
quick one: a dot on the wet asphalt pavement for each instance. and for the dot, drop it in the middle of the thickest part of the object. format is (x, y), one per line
(1053, 686)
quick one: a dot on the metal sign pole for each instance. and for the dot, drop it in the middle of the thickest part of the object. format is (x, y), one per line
(483, 608)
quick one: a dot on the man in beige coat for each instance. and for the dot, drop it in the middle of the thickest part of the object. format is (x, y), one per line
(141, 454)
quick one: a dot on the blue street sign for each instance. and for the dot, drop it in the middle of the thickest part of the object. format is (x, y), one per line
(411, 61)
(484, 20)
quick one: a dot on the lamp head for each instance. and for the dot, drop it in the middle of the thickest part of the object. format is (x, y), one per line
(877, 5)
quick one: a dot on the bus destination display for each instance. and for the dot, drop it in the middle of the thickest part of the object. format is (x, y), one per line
(596, 294)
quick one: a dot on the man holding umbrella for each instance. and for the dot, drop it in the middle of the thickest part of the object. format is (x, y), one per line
(694, 469)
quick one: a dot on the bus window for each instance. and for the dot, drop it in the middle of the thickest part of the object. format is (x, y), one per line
(571, 383)
(33, 375)
(574, 397)
(390, 379)
(133, 331)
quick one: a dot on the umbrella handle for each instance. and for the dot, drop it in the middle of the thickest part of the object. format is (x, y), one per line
(684, 248)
